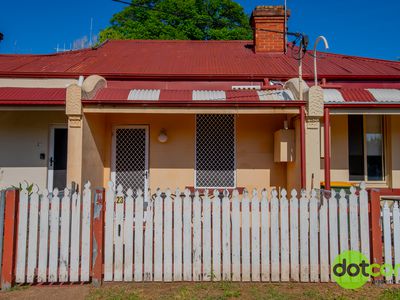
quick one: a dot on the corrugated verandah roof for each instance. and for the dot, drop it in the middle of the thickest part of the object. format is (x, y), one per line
(56, 96)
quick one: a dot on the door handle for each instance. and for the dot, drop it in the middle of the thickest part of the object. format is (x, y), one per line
(146, 174)
(51, 161)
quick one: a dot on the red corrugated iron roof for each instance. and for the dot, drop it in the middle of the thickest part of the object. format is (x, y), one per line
(343, 95)
(357, 95)
(190, 60)
(32, 96)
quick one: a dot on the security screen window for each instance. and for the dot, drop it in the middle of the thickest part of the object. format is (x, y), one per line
(366, 161)
(215, 151)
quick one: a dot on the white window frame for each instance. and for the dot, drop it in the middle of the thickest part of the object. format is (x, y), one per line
(384, 147)
(234, 153)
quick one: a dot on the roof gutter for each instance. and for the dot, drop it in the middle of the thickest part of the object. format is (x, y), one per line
(347, 105)
(180, 104)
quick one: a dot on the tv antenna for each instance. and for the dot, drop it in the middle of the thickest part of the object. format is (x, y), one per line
(91, 32)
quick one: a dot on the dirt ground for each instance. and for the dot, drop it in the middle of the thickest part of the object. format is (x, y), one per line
(220, 291)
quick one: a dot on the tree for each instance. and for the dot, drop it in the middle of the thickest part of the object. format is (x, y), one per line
(179, 20)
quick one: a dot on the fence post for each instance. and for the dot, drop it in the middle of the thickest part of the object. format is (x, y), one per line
(98, 237)
(376, 229)
(10, 239)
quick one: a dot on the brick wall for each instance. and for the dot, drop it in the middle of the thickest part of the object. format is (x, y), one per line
(269, 18)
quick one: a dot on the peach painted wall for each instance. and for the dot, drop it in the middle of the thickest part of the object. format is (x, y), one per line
(339, 149)
(172, 164)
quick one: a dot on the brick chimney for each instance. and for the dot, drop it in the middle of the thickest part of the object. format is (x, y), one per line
(270, 18)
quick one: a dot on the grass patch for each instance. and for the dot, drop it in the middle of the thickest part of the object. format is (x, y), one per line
(17, 288)
(116, 293)
(390, 294)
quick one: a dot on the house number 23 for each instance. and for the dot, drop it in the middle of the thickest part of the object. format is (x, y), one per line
(119, 200)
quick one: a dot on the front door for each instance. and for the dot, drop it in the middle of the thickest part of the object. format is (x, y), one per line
(130, 158)
(57, 162)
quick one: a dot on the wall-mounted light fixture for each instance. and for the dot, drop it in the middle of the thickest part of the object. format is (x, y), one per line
(163, 137)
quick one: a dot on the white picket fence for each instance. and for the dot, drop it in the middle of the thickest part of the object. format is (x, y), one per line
(251, 237)
(53, 243)
(391, 238)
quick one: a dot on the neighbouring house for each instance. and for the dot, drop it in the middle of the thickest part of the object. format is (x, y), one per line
(199, 114)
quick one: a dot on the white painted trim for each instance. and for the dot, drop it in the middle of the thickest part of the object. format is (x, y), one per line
(365, 111)
(246, 87)
(113, 155)
(50, 169)
(106, 108)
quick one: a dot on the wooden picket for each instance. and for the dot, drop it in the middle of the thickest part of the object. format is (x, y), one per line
(44, 236)
(33, 234)
(245, 238)
(138, 236)
(235, 237)
(314, 237)
(255, 237)
(216, 238)
(22, 233)
(226, 237)
(177, 236)
(128, 236)
(294, 237)
(266, 236)
(167, 239)
(206, 236)
(284, 228)
(54, 231)
(275, 237)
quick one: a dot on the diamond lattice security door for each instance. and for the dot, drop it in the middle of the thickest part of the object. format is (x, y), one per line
(130, 157)
(215, 150)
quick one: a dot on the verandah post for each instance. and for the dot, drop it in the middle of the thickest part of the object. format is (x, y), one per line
(376, 230)
(98, 237)
(10, 239)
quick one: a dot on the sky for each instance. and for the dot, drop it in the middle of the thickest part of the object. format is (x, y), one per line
(354, 27)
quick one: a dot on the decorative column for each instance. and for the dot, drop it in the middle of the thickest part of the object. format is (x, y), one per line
(314, 113)
(73, 111)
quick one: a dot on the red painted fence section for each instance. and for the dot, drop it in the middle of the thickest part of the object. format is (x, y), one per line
(10, 239)
(98, 237)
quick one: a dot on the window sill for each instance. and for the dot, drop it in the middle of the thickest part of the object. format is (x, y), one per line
(372, 184)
